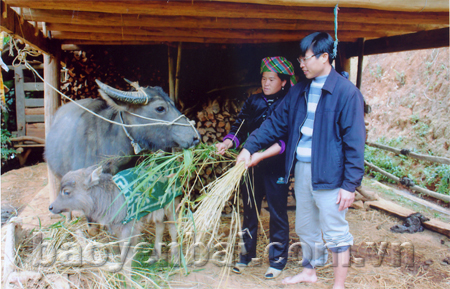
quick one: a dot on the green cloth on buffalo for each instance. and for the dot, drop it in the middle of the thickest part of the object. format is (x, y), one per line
(145, 194)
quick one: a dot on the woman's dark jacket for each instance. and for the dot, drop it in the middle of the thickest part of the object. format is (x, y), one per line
(255, 110)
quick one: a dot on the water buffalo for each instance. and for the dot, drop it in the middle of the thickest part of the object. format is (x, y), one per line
(78, 139)
(96, 194)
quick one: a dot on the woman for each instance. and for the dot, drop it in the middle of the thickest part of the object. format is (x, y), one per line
(277, 76)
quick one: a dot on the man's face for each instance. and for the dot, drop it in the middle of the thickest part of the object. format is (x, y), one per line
(314, 65)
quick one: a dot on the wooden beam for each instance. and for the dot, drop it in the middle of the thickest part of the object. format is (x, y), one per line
(10, 22)
(125, 20)
(190, 36)
(171, 73)
(428, 158)
(61, 31)
(410, 5)
(236, 10)
(177, 75)
(414, 41)
(418, 189)
(360, 62)
(51, 104)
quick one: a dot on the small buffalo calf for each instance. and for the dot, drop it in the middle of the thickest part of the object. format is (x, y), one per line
(94, 192)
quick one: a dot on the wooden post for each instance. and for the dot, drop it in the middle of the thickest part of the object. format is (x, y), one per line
(20, 100)
(171, 85)
(177, 75)
(51, 104)
(360, 62)
(342, 62)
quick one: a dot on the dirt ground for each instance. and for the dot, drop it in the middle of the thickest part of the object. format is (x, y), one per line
(420, 265)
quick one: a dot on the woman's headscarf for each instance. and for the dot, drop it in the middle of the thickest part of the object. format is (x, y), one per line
(278, 64)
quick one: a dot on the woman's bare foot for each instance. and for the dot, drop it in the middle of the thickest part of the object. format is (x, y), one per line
(307, 276)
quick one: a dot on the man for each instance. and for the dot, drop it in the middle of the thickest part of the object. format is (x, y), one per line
(323, 120)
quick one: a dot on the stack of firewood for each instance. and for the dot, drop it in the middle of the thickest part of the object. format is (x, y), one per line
(215, 119)
(79, 71)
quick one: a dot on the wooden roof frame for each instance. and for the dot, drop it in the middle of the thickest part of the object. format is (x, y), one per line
(387, 26)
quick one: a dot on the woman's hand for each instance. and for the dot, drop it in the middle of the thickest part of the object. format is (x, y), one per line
(244, 156)
(223, 146)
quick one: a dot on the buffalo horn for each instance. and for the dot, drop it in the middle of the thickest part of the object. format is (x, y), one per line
(135, 97)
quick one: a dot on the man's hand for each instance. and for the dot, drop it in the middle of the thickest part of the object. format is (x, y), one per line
(244, 156)
(223, 146)
(345, 199)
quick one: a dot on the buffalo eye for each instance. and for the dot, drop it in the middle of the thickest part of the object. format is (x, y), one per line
(160, 109)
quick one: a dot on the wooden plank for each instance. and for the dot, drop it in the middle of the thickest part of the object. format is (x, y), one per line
(413, 41)
(414, 198)
(209, 38)
(34, 102)
(402, 212)
(34, 118)
(28, 138)
(33, 86)
(139, 33)
(35, 130)
(235, 10)
(410, 5)
(309, 23)
(34, 111)
(114, 39)
(10, 22)
(20, 100)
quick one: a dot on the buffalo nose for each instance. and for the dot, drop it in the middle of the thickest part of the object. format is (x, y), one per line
(50, 208)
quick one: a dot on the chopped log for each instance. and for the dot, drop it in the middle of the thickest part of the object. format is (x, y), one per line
(367, 194)
(29, 138)
(399, 211)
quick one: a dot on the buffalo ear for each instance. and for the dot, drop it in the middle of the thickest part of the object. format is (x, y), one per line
(95, 176)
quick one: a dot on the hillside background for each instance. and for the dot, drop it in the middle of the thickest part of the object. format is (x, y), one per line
(409, 96)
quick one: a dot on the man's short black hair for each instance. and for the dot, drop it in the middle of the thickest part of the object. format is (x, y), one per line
(319, 43)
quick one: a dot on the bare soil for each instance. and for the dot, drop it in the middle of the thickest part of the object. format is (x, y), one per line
(419, 265)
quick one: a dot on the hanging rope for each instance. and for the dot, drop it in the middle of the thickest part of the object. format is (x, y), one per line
(336, 9)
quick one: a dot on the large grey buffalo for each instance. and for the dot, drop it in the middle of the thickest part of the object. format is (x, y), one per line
(78, 139)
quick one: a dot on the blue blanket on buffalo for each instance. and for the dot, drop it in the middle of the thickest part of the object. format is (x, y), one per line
(146, 193)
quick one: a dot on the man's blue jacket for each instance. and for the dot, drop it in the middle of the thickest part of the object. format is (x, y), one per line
(337, 155)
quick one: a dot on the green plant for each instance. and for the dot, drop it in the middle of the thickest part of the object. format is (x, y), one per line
(421, 129)
(400, 77)
(379, 72)
(414, 118)
(432, 176)
(7, 151)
